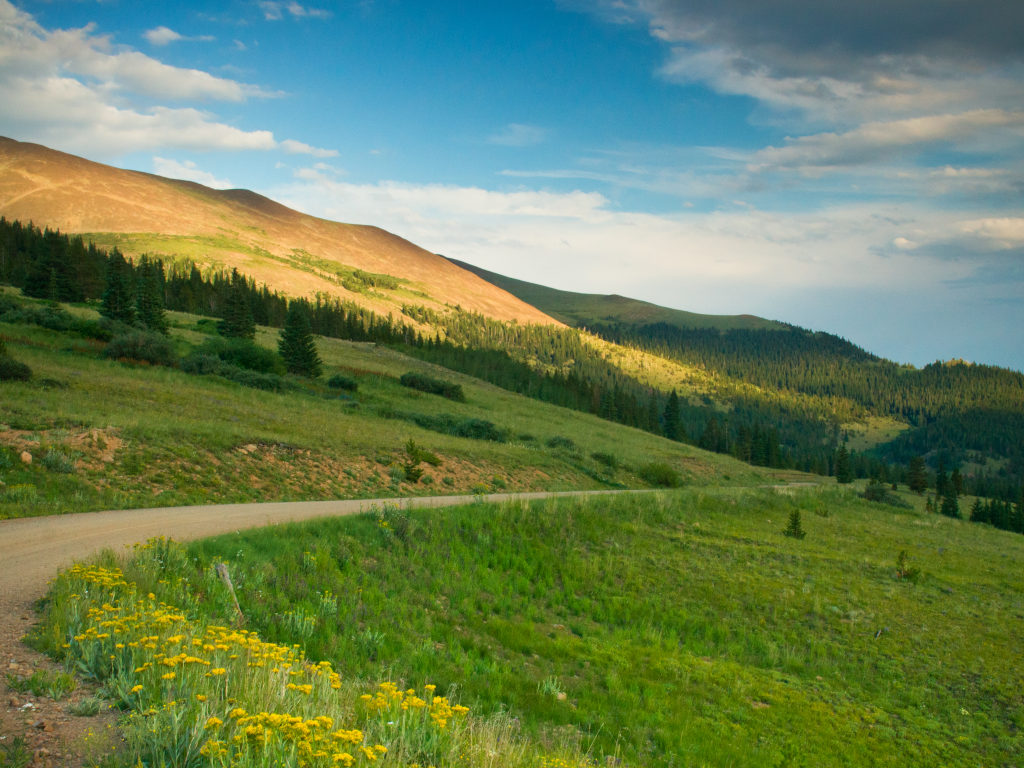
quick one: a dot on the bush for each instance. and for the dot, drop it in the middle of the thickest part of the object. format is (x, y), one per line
(605, 458)
(13, 370)
(54, 318)
(475, 429)
(243, 353)
(562, 442)
(208, 365)
(877, 491)
(337, 381)
(142, 346)
(57, 461)
(433, 386)
(661, 474)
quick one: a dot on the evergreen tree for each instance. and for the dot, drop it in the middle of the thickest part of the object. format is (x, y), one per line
(117, 295)
(238, 321)
(296, 343)
(941, 479)
(917, 477)
(671, 427)
(794, 527)
(950, 506)
(957, 481)
(149, 295)
(844, 469)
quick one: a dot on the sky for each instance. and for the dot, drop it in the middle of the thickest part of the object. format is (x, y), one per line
(850, 167)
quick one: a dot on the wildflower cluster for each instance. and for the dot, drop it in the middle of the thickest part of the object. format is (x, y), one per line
(203, 694)
(190, 688)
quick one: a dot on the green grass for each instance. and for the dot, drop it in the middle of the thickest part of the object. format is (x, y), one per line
(120, 435)
(682, 628)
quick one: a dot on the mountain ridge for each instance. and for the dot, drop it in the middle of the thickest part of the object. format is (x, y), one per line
(140, 212)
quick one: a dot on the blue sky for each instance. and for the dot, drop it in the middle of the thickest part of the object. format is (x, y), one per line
(850, 167)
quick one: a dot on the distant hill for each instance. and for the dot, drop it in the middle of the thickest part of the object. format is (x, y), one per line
(584, 310)
(297, 254)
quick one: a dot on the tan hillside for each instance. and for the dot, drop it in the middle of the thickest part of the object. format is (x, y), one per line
(291, 252)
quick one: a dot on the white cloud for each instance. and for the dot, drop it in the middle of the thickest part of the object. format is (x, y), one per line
(877, 141)
(997, 233)
(518, 135)
(189, 171)
(160, 36)
(273, 10)
(73, 90)
(293, 147)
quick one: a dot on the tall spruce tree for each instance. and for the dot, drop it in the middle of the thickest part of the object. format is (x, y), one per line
(118, 297)
(149, 295)
(671, 426)
(296, 343)
(917, 477)
(238, 321)
(844, 468)
(950, 507)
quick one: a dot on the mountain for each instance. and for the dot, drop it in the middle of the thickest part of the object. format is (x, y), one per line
(766, 392)
(297, 254)
(583, 310)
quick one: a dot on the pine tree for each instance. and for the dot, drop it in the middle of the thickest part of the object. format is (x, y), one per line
(238, 321)
(296, 343)
(917, 477)
(149, 295)
(670, 416)
(795, 528)
(117, 299)
(844, 470)
(950, 507)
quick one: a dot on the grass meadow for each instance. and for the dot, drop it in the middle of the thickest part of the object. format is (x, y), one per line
(106, 434)
(677, 629)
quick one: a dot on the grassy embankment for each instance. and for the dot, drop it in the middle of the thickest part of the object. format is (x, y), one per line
(679, 629)
(106, 434)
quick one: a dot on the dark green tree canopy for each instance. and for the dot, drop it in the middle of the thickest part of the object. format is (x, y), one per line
(118, 295)
(296, 343)
(238, 321)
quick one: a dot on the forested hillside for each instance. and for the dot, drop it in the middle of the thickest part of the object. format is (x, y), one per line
(783, 397)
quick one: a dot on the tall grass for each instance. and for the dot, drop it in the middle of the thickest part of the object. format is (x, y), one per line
(679, 629)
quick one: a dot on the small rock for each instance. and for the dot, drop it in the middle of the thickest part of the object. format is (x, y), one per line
(251, 447)
(13, 703)
(560, 696)
(26, 457)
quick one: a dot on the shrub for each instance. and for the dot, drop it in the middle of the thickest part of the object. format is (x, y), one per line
(475, 429)
(207, 365)
(142, 346)
(661, 474)
(243, 353)
(13, 370)
(433, 386)
(337, 381)
(57, 461)
(607, 459)
(877, 491)
(566, 443)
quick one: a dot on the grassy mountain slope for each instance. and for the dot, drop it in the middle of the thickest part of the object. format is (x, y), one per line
(582, 310)
(294, 253)
(105, 434)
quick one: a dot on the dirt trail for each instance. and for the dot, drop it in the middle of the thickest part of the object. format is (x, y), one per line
(33, 550)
